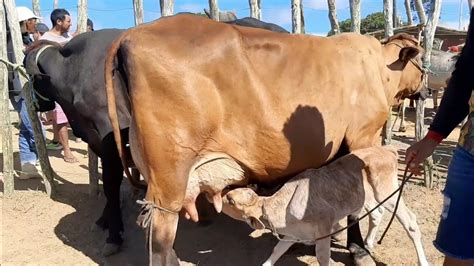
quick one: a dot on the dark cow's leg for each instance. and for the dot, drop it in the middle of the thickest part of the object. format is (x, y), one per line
(112, 175)
(355, 243)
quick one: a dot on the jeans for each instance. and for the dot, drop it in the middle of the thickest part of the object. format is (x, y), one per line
(28, 153)
(455, 237)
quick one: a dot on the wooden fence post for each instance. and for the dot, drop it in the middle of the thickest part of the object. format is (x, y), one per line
(167, 7)
(255, 9)
(36, 7)
(296, 16)
(387, 11)
(214, 9)
(355, 15)
(420, 10)
(428, 33)
(48, 174)
(8, 177)
(408, 11)
(81, 16)
(333, 17)
(138, 11)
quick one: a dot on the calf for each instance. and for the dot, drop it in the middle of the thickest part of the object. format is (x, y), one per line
(310, 205)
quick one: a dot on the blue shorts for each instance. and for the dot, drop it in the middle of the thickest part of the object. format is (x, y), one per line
(455, 237)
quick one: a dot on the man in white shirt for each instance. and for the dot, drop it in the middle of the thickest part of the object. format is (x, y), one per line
(61, 21)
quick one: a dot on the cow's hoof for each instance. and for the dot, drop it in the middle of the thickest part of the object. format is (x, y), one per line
(110, 249)
(361, 256)
(402, 129)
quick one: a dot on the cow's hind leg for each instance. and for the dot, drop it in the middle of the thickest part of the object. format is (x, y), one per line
(355, 243)
(165, 194)
(112, 175)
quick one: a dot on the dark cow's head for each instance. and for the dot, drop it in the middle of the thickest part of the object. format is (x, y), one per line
(33, 64)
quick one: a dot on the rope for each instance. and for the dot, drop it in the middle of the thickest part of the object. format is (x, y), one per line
(400, 188)
(145, 220)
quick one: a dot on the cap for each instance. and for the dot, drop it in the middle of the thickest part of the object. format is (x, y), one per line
(24, 13)
(41, 27)
(90, 23)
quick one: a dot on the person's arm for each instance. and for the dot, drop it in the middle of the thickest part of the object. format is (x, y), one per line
(455, 103)
(453, 109)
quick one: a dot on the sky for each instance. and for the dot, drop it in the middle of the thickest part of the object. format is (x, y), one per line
(119, 13)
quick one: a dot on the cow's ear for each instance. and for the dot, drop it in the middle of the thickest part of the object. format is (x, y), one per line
(407, 53)
(255, 223)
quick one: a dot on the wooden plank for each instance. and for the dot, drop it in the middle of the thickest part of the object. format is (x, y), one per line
(48, 174)
(255, 9)
(138, 11)
(7, 147)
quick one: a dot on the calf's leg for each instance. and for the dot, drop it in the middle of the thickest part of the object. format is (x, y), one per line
(374, 220)
(323, 251)
(281, 247)
(408, 221)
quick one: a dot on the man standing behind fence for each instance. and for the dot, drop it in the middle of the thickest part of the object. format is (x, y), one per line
(61, 23)
(26, 140)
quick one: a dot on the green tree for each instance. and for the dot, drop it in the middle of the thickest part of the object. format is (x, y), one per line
(372, 22)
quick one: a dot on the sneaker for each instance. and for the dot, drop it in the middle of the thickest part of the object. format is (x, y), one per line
(29, 170)
(53, 145)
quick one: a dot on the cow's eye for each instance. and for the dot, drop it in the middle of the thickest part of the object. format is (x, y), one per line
(232, 202)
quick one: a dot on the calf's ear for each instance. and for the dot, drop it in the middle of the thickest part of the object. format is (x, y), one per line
(255, 223)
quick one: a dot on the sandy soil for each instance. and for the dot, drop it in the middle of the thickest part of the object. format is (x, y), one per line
(41, 231)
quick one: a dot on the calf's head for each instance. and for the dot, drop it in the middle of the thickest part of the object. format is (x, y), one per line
(245, 205)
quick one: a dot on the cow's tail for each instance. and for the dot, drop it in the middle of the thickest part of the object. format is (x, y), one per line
(112, 108)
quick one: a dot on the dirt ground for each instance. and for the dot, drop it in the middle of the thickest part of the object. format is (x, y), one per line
(37, 230)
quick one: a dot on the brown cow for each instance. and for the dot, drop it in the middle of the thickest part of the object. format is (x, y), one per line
(216, 104)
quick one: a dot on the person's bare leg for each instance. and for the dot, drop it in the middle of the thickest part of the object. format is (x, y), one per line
(64, 139)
